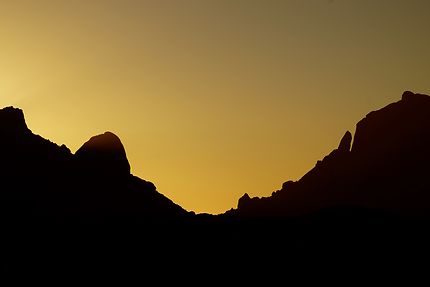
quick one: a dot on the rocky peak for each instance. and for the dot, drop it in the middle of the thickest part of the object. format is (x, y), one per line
(411, 96)
(104, 154)
(394, 126)
(244, 201)
(12, 120)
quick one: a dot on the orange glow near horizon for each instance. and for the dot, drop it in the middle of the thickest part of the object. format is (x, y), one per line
(211, 99)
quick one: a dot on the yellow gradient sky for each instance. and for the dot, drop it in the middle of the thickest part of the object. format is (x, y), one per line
(211, 99)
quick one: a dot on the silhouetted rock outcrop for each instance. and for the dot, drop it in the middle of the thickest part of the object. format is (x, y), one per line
(386, 168)
(104, 154)
(345, 143)
(12, 121)
(243, 201)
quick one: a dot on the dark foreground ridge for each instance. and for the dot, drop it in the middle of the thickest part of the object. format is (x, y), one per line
(371, 195)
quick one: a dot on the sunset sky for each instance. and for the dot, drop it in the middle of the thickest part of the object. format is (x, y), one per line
(211, 99)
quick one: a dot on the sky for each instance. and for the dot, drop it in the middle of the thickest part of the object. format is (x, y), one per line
(211, 99)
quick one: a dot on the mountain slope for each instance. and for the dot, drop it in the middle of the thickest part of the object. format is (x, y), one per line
(45, 182)
(386, 169)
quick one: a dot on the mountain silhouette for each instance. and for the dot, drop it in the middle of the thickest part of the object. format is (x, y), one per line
(42, 181)
(386, 169)
(371, 195)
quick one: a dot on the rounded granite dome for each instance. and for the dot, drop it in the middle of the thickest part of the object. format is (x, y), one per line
(104, 154)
